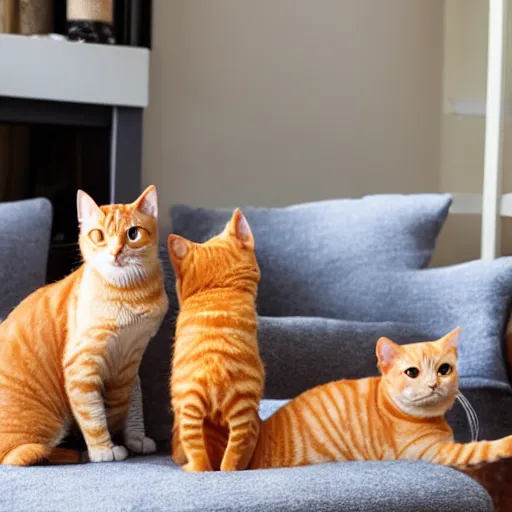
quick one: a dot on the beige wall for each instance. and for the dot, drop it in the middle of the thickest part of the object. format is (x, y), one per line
(463, 136)
(270, 102)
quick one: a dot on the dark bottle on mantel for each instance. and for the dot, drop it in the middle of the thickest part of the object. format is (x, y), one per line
(90, 21)
(121, 22)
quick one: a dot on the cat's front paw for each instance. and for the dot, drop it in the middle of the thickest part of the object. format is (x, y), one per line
(196, 467)
(140, 444)
(105, 454)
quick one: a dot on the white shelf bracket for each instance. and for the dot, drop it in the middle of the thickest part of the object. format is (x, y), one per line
(491, 202)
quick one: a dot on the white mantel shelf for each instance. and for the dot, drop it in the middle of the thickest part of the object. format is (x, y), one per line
(53, 70)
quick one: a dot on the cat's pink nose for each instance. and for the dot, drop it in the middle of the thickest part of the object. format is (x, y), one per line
(433, 386)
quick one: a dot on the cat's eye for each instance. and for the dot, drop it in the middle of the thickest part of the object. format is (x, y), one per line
(444, 369)
(96, 236)
(412, 372)
(134, 234)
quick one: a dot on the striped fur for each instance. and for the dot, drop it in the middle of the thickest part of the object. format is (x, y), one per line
(70, 352)
(217, 375)
(382, 418)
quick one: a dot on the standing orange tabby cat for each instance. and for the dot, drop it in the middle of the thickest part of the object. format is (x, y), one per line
(397, 416)
(217, 375)
(71, 350)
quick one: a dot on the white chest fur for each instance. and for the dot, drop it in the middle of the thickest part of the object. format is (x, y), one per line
(130, 325)
(127, 346)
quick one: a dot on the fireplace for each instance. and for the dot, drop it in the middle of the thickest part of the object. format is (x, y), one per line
(71, 116)
(62, 148)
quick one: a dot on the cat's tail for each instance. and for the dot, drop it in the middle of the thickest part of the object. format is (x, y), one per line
(464, 456)
(34, 454)
(60, 456)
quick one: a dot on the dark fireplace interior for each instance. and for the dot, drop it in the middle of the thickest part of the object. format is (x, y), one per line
(59, 160)
(53, 148)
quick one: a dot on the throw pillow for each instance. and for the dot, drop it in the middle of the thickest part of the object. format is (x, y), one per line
(24, 243)
(308, 252)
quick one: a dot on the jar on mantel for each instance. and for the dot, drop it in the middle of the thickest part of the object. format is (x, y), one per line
(26, 17)
(90, 21)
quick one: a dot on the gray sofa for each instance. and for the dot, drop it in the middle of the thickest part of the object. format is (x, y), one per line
(336, 276)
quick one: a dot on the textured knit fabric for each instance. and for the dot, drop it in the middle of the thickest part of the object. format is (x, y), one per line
(415, 305)
(155, 484)
(155, 368)
(474, 296)
(302, 352)
(308, 250)
(24, 243)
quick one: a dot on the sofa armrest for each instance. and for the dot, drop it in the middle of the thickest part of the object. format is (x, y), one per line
(24, 245)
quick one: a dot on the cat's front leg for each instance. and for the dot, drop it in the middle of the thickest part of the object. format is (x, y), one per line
(84, 367)
(464, 456)
(134, 431)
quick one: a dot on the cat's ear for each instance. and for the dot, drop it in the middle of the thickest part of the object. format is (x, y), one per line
(451, 340)
(147, 202)
(86, 207)
(178, 248)
(240, 229)
(387, 351)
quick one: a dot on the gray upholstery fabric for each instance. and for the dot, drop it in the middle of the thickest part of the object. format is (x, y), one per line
(309, 250)
(155, 368)
(494, 410)
(302, 352)
(474, 296)
(155, 484)
(416, 305)
(24, 243)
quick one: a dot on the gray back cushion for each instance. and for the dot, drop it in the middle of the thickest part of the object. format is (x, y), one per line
(312, 254)
(155, 368)
(417, 305)
(25, 229)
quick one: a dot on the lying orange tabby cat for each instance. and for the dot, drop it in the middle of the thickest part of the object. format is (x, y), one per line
(71, 350)
(397, 416)
(217, 375)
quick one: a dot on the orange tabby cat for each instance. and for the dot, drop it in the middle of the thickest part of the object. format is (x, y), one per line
(397, 416)
(72, 349)
(217, 375)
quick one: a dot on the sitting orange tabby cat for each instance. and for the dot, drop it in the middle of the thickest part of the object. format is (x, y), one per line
(217, 375)
(397, 416)
(72, 349)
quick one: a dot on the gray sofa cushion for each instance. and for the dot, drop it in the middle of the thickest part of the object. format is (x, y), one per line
(302, 352)
(24, 243)
(155, 484)
(306, 250)
(155, 367)
(475, 296)
(419, 305)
